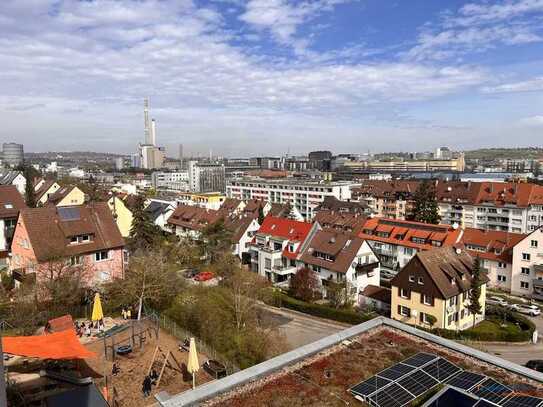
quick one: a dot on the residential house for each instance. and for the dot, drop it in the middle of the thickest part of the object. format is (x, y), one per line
(276, 247)
(85, 238)
(337, 258)
(242, 229)
(190, 220)
(389, 199)
(527, 274)
(341, 221)
(121, 213)
(376, 297)
(159, 211)
(206, 200)
(67, 196)
(332, 204)
(435, 285)
(16, 178)
(495, 251)
(232, 205)
(397, 241)
(43, 189)
(11, 202)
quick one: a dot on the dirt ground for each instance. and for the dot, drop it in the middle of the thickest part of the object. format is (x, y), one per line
(134, 367)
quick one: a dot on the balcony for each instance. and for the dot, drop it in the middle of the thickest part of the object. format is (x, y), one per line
(367, 267)
(284, 270)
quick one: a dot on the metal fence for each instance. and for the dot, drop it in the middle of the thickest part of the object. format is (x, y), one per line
(170, 326)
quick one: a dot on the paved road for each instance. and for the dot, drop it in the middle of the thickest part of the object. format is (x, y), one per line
(301, 329)
(519, 353)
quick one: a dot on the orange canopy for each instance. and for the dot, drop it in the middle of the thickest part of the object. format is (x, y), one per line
(58, 345)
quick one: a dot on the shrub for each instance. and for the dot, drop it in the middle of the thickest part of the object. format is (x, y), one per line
(322, 311)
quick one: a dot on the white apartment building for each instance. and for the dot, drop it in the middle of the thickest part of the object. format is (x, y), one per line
(174, 181)
(305, 196)
(527, 274)
(502, 206)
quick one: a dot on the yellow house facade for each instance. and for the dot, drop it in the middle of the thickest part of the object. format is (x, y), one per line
(123, 216)
(72, 196)
(432, 291)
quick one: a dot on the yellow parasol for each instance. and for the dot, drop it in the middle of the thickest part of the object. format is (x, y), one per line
(97, 313)
(193, 365)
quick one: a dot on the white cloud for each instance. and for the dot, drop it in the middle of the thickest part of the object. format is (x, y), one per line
(531, 85)
(533, 121)
(479, 27)
(283, 17)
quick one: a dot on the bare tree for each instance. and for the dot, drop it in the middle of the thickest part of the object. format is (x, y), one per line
(304, 284)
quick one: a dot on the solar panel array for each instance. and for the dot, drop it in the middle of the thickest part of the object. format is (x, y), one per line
(404, 382)
(69, 213)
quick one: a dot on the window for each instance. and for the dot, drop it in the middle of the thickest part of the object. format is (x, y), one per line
(420, 281)
(412, 279)
(76, 260)
(404, 293)
(101, 255)
(8, 206)
(404, 311)
(502, 279)
(526, 256)
(452, 301)
(427, 299)
(525, 270)
(524, 285)
(424, 318)
(533, 244)
(501, 265)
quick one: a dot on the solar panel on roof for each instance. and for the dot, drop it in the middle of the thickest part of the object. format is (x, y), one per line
(417, 383)
(441, 369)
(485, 403)
(396, 371)
(369, 386)
(522, 401)
(68, 213)
(491, 390)
(420, 359)
(391, 396)
(465, 380)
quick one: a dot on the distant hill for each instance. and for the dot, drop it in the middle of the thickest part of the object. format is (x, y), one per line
(504, 153)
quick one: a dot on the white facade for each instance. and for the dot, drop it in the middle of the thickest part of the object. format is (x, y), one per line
(242, 246)
(206, 177)
(508, 218)
(527, 274)
(304, 196)
(175, 181)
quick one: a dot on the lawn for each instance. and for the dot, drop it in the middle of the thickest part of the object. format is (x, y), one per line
(495, 327)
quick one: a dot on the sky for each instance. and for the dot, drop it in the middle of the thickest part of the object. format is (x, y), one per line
(263, 77)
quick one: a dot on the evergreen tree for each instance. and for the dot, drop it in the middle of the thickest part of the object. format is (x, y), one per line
(143, 233)
(425, 206)
(475, 292)
(30, 195)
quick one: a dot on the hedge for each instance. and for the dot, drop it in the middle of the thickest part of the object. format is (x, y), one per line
(524, 332)
(322, 311)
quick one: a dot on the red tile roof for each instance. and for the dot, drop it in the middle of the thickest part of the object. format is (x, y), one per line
(400, 233)
(11, 201)
(291, 230)
(497, 245)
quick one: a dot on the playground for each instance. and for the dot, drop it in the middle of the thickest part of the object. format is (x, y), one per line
(125, 387)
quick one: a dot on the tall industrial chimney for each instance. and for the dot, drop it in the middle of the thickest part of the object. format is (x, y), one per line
(146, 121)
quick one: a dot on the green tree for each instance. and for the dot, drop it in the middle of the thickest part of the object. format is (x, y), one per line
(30, 195)
(144, 233)
(475, 292)
(425, 207)
(216, 240)
(337, 294)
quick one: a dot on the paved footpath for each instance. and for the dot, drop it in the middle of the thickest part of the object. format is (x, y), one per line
(301, 329)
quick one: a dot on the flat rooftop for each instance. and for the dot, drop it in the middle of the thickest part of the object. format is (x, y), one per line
(321, 373)
(296, 182)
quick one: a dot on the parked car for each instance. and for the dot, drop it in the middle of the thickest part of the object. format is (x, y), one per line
(204, 276)
(513, 307)
(216, 369)
(494, 300)
(531, 310)
(536, 364)
(190, 273)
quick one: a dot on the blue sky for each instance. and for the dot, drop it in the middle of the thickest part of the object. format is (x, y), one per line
(251, 77)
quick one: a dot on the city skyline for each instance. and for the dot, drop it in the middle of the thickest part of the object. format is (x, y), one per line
(292, 76)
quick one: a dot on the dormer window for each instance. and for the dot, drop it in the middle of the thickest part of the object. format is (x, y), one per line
(412, 279)
(420, 281)
(453, 281)
(80, 239)
(8, 206)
